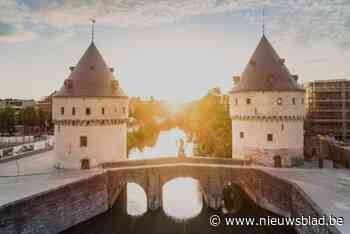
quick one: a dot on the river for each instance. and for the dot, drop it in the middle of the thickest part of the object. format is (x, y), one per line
(183, 210)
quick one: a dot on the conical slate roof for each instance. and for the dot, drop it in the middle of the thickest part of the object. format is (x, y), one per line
(91, 78)
(266, 71)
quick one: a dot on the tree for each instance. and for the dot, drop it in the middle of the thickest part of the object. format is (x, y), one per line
(7, 120)
(208, 123)
(29, 117)
(43, 120)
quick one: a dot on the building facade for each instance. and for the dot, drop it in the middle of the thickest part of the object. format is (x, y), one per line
(267, 111)
(328, 108)
(90, 114)
(16, 104)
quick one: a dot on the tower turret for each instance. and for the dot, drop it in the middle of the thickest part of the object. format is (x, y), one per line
(90, 113)
(267, 110)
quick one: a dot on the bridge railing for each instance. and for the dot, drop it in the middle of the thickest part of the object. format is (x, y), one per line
(174, 160)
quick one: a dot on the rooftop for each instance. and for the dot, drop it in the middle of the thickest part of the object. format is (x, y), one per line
(266, 71)
(91, 78)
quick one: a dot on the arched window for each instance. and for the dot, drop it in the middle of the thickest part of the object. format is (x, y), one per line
(279, 101)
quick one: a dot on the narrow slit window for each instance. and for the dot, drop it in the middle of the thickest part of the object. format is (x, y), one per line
(279, 101)
(269, 137)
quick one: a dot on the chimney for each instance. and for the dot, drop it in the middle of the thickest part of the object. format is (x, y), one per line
(71, 68)
(236, 79)
(282, 61)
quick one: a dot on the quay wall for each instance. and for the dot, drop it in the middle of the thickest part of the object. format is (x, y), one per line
(58, 209)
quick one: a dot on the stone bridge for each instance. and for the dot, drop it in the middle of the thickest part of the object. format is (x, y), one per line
(212, 174)
(267, 191)
(59, 208)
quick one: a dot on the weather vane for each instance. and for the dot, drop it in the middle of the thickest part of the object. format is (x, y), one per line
(93, 21)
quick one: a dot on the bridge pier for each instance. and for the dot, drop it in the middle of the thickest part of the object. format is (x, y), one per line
(212, 190)
(154, 192)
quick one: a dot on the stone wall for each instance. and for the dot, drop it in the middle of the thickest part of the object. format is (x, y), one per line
(284, 198)
(58, 209)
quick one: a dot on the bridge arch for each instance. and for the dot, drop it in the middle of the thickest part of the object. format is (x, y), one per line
(136, 199)
(185, 204)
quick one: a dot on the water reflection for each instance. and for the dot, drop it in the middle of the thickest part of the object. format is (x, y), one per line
(136, 200)
(116, 220)
(166, 146)
(182, 198)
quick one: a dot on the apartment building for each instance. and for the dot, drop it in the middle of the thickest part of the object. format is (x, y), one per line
(327, 104)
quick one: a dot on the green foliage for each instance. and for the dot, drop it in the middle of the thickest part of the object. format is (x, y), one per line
(145, 136)
(7, 120)
(207, 122)
(43, 119)
(146, 111)
(29, 117)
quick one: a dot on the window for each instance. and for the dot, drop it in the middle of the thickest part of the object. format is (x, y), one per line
(83, 141)
(73, 111)
(103, 110)
(236, 101)
(87, 111)
(282, 127)
(269, 137)
(248, 101)
(62, 110)
(241, 134)
(293, 100)
(124, 110)
(302, 101)
(279, 101)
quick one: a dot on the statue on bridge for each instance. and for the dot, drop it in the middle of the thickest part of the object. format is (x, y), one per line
(181, 153)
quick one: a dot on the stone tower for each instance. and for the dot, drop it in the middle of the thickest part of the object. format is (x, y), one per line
(90, 114)
(267, 110)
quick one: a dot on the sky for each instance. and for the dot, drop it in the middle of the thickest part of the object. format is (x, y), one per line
(169, 49)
